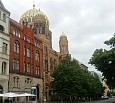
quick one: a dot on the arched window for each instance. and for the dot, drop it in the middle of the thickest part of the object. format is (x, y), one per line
(3, 68)
(16, 47)
(4, 17)
(25, 20)
(1, 28)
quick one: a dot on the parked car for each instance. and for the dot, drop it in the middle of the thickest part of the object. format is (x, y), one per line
(105, 97)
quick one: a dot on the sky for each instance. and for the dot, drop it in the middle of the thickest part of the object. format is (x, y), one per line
(86, 23)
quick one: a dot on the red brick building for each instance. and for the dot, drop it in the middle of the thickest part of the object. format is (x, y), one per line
(26, 59)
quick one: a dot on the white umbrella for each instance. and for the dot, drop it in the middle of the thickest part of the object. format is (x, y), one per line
(10, 94)
(26, 94)
(1, 95)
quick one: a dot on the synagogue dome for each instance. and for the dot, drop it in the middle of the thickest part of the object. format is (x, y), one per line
(33, 15)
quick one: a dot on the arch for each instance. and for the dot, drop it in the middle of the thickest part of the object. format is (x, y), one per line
(4, 64)
(38, 91)
(25, 20)
(1, 28)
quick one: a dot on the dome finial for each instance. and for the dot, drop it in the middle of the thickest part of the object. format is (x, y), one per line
(33, 4)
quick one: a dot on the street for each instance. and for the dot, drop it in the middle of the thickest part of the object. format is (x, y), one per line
(111, 100)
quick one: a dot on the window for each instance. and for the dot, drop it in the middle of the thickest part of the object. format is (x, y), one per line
(40, 29)
(37, 70)
(51, 65)
(4, 48)
(24, 51)
(46, 64)
(46, 50)
(16, 64)
(1, 28)
(37, 55)
(24, 67)
(4, 17)
(32, 68)
(25, 20)
(28, 83)
(29, 19)
(16, 82)
(28, 52)
(16, 46)
(3, 68)
(28, 67)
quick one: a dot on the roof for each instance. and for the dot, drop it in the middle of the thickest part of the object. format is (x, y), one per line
(16, 23)
(3, 7)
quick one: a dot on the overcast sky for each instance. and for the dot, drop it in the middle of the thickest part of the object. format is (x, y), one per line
(87, 23)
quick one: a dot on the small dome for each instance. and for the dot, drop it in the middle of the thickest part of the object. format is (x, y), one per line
(33, 15)
(63, 35)
(40, 16)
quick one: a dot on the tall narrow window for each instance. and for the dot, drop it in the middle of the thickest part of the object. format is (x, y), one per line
(28, 67)
(46, 50)
(16, 47)
(37, 55)
(46, 64)
(16, 64)
(4, 48)
(3, 68)
(37, 70)
(28, 52)
(4, 17)
(40, 29)
(16, 81)
(24, 51)
(24, 67)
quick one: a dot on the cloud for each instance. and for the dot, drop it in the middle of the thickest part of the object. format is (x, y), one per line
(87, 23)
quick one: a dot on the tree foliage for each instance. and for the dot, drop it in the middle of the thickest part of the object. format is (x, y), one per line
(104, 61)
(71, 80)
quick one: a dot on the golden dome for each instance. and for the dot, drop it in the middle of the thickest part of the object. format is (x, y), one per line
(33, 15)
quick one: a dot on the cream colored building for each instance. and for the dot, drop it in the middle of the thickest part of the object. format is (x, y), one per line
(4, 48)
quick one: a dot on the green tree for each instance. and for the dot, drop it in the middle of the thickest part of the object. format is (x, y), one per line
(104, 61)
(71, 80)
(66, 79)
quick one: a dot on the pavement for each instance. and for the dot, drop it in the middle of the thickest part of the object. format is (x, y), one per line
(110, 100)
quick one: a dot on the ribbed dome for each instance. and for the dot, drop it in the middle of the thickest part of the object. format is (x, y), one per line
(33, 15)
